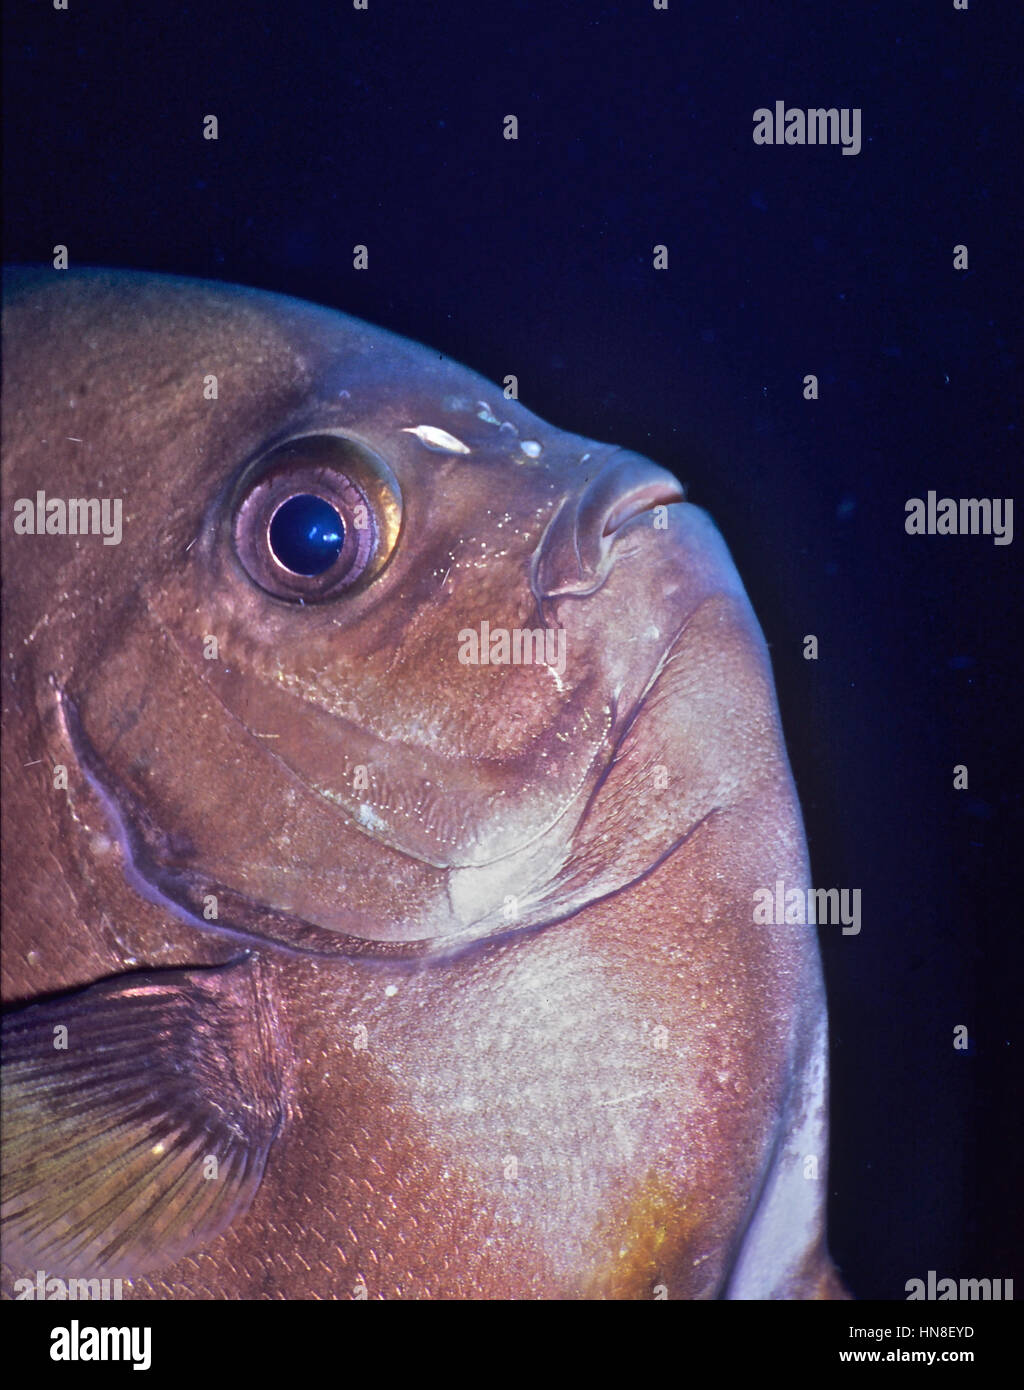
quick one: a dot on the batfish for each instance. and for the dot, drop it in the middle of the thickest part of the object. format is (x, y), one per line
(388, 777)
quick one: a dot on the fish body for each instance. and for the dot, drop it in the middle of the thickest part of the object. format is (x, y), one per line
(384, 810)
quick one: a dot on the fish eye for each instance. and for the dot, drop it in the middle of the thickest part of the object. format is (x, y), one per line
(316, 517)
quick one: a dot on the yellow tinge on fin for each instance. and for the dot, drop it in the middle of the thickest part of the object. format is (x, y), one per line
(137, 1118)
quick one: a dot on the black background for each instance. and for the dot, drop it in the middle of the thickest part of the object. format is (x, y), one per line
(384, 127)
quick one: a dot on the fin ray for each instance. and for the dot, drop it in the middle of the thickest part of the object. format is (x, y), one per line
(106, 1145)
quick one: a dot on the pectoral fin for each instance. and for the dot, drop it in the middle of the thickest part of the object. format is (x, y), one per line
(137, 1118)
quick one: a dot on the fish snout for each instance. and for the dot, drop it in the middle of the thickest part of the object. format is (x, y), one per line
(574, 554)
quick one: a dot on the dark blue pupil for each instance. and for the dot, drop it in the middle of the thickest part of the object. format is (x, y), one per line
(306, 534)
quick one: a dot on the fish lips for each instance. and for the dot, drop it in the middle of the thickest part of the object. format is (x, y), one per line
(663, 627)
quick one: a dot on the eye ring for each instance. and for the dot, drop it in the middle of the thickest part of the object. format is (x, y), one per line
(315, 517)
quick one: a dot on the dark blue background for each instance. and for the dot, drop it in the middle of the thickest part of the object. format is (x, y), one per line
(385, 128)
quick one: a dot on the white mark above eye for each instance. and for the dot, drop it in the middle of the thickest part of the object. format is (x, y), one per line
(440, 440)
(531, 448)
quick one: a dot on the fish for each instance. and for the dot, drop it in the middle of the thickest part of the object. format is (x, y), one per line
(388, 778)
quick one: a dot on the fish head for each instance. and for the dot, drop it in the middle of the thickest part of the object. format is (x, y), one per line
(380, 662)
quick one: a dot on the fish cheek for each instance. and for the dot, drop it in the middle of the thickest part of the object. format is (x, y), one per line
(217, 824)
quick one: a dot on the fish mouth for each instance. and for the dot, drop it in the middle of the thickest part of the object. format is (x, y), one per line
(577, 551)
(644, 499)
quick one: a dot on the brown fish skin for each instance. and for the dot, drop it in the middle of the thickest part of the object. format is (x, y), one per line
(609, 1093)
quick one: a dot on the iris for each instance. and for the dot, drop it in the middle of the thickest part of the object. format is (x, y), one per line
(306, 534)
